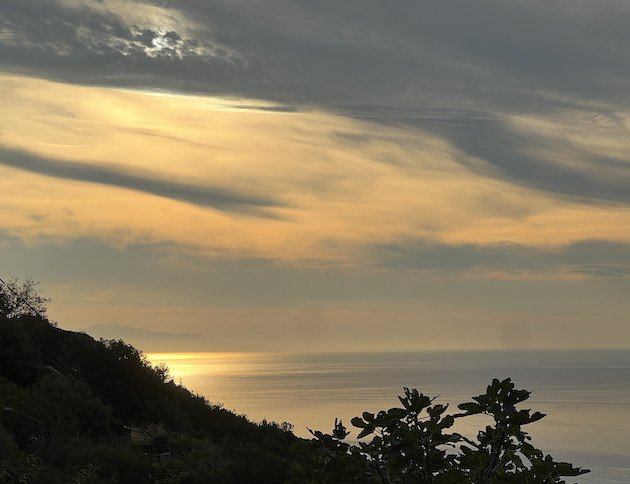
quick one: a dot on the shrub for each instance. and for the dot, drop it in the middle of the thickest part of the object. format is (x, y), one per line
(414, 444)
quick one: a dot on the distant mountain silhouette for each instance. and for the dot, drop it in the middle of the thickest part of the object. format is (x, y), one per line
(157, 341)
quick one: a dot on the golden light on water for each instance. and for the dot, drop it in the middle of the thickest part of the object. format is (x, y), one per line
(181, 365)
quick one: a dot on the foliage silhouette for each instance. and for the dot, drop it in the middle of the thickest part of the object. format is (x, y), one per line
(70, 406)
(414, 445)
(21, 298)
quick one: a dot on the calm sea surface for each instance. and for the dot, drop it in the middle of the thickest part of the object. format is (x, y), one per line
(586, 394)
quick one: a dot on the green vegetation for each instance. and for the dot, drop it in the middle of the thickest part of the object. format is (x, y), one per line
(76, 410)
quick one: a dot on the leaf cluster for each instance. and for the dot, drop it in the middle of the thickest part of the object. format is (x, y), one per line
(415, 444)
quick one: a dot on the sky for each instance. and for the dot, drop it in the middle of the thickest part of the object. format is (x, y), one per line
(344, 176)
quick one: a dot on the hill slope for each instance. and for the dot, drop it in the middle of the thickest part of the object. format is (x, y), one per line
(78, 410)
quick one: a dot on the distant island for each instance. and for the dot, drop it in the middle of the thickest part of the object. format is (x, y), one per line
(157, 341)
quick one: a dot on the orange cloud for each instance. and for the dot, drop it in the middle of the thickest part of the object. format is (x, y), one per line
(342, 184)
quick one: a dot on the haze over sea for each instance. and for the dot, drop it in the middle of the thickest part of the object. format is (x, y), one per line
(586, 393)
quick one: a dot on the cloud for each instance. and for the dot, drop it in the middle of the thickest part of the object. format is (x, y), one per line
(204, 196)
(490, 55)
(539, 160)
(111, 43)
(596, 258)
(457, 69)
(318, 173)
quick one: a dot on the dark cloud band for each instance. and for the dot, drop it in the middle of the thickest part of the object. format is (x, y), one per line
(595, 258)
(485, 54)
(204, 196)
(528, 159)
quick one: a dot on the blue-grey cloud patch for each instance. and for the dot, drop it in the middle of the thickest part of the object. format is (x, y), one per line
(487, 54)
(84, 45)
(597, 258)
(517, 156)
(604, 271)
(163, 274)
(204, 196)
(272, 109)
(358, 140)
(525, 158)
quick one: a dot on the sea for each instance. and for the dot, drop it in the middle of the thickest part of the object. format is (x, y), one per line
(585, 393)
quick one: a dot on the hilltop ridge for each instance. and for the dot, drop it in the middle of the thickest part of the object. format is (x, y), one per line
(74, 409)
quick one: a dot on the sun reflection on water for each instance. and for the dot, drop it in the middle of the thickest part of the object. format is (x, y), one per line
(207, 363)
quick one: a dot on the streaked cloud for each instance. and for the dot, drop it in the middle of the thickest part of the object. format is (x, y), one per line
(553, 161)
(305, 176)
(204, 196)
(573, 262)
(481, 66)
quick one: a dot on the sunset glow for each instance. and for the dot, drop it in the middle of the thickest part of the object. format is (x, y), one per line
(160, 170)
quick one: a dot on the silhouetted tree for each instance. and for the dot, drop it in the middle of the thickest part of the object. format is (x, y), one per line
(22, 298)
(413, 444)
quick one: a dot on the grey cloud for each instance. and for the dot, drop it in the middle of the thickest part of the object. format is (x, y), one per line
(397, 63)
(486, 54)
(272, 109)
(151, 273)
(596, 258)
(605, 271)
(535, 160)
(87, 46)
(204, 196)
(517, 156)
(419, 53)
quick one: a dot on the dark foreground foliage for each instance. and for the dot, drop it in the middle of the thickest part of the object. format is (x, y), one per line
(414, 445)
(75, 410)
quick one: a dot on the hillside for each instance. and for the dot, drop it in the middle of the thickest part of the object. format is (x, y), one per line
(74, 409)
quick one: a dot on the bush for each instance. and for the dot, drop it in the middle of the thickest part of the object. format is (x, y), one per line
(413, 444)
